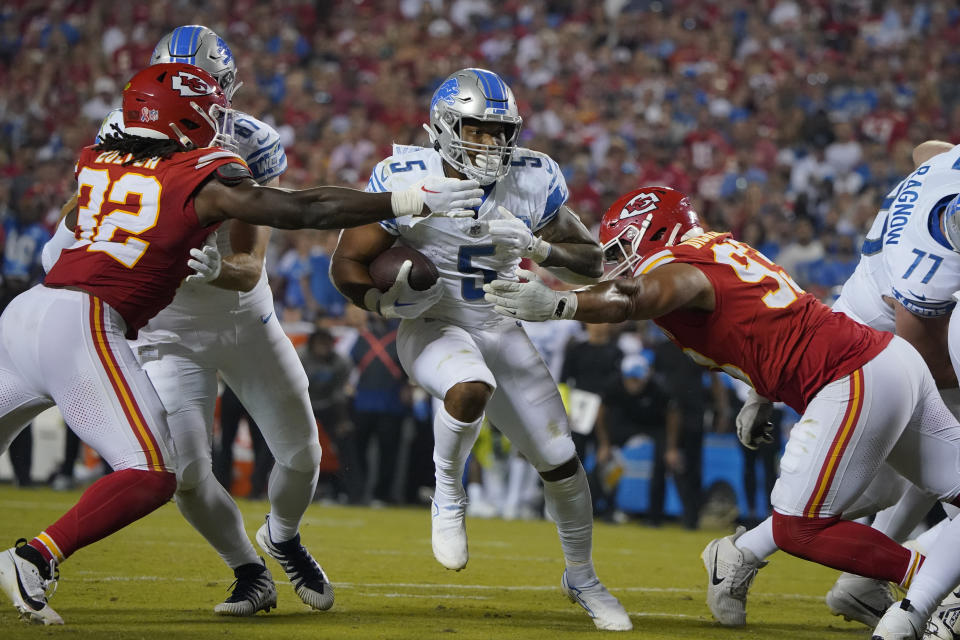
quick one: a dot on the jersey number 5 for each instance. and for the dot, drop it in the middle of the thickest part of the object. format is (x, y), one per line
(752, 266)
(99, 219)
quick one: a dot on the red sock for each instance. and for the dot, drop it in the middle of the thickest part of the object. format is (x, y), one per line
(848, 546)
(110, 504)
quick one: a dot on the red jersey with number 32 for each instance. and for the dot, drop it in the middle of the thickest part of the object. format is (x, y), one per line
(135, 227)
(765, 329)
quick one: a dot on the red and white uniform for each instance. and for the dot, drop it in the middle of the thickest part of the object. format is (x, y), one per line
(866, 396)
(64, 342)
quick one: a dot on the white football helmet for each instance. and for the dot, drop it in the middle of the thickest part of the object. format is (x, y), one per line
(482, 96)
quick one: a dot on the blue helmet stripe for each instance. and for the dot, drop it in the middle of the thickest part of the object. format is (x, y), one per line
(485, 83)
(183, 44)
(494, 85)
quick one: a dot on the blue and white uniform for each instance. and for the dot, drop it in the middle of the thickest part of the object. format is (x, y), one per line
(461, 338)
(905, 256)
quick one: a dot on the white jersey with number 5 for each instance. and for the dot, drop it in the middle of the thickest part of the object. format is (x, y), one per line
(533, 191)
(905, 256)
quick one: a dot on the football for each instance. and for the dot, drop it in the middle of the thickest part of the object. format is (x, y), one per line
(384, 268)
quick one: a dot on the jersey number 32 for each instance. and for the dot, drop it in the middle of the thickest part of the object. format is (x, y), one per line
(107, 212)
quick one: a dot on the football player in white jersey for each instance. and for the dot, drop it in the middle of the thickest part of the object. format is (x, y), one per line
(904, 283)
(231, 327)
(453, 344)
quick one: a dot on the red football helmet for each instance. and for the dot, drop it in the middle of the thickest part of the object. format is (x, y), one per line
(178, 101)
(644, 221)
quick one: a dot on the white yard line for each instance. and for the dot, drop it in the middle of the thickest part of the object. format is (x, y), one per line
(96, 576)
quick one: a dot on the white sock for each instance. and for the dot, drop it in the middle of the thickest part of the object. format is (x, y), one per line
(212, 512)
(290, 494)
(452, 442)
(940, 571)
(759, 540)
(569, 506)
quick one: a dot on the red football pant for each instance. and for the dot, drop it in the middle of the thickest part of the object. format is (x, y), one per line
(845, 545)
(110, 504)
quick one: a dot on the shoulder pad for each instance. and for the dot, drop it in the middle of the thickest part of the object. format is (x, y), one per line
(232, 174)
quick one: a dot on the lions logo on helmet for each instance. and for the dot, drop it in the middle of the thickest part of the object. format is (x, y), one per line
(201, 47)
(481, 96)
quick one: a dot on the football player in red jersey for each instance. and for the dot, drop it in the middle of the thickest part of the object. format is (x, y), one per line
(866, 397)
(146, 197)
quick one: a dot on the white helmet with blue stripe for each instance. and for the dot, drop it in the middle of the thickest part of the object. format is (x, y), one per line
(481, 96)
(201, 47)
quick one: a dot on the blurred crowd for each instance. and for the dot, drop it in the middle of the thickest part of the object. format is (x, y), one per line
(787, 121)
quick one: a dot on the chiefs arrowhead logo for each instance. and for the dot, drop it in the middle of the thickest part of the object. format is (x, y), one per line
(190, 85)
(639, 204)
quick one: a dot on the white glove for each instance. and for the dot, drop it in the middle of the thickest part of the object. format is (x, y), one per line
(206, 263)
(753, 422)
(449, 197)
(401, 300)
(514, 239)
(531, 300)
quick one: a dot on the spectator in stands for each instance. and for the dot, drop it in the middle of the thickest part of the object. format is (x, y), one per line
(804, 248)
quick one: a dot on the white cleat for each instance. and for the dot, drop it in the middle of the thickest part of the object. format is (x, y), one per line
(730, 572)
(23, 583)
(308, 579)
(607, 612)
(864, 600)
(252, 591)
(945, 622)
(449, 534)
(900, 622)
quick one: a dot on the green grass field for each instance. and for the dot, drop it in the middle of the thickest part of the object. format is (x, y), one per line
(158, 579)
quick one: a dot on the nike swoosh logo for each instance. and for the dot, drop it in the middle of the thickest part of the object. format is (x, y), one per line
(263, 139)
(877, 612)
(917, 296)
(266, 318)
(425, 190)
(713, 577)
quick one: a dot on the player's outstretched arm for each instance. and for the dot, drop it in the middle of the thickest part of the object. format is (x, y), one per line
(231, 194)
(665, 289)
(240, 271)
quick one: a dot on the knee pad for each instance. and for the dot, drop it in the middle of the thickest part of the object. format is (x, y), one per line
(795, 534)
(550, 455)
(191, 473)
(305, 460)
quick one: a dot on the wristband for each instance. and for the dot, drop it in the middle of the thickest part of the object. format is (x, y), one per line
(406, 203)
(566, 307)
